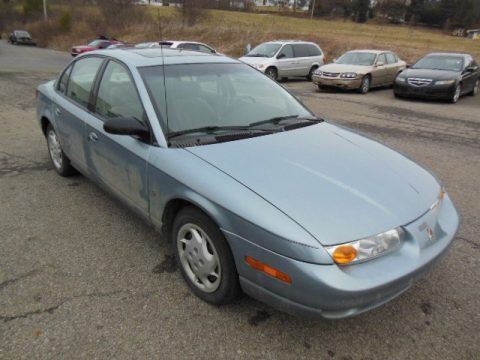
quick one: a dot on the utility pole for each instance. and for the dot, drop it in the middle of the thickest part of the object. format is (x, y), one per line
(45, 17)
(313, 7)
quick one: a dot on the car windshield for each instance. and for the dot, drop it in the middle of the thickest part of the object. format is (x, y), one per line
(357, 58)
(264, 50)
(96, 43)
(216, 95)
(22, 34)
(439, 62)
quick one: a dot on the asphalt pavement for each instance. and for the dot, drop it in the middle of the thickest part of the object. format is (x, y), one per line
(82, 277)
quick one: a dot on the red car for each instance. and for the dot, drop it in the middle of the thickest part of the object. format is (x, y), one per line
(94, 45)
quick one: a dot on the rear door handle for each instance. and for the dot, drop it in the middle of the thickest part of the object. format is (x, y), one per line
(92, 137)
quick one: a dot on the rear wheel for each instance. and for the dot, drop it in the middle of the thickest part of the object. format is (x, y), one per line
(204, 257)
(310, 73)
(60, 161)
(456, 94)
(272, 73)
(364, 85)
(475, 88)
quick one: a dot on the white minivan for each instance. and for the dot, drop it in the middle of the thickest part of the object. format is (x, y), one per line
(282, 59)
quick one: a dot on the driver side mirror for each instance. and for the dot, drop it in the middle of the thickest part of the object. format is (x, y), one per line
(126, 126)
(335, 60)
(280, 56)
(379, 63)
(471, 69)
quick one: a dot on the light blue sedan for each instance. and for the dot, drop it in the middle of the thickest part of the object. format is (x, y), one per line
(254, 191)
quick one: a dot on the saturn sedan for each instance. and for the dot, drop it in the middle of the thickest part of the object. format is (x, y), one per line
(444, 76)
(254, 192)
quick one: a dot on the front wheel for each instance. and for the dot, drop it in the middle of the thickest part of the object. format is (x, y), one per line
(456, 94)
(364, 85)
(272, 73)
(204, 257)
(474, 92)
(60, 161)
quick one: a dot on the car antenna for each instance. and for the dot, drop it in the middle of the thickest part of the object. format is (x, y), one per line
(163, 64)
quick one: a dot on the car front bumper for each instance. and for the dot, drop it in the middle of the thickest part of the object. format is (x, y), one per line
(334, 292)
(429, 91)
(337, 82)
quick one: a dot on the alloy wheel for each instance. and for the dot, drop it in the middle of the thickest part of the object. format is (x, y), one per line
(456, 95)
(55, 149)
(365, 86)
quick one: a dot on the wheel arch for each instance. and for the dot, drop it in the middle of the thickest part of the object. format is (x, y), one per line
(44, 122)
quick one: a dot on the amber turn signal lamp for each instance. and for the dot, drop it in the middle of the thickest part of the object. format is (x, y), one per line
(344, 254)
(267, 269)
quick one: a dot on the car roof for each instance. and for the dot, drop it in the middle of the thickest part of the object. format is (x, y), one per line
(448, 54)
(158, 56)
(290, 42)
(371, 51)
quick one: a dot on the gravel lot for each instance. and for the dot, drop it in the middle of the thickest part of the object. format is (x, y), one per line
(82, 277)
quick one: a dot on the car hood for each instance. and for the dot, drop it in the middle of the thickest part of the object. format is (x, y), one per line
(430, 74)
(341, 68)
(339, 186)
(251, 60)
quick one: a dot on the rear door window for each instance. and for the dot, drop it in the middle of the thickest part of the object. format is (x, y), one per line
(382, 58)
(82, 79)
(391, 58)
(301, 50)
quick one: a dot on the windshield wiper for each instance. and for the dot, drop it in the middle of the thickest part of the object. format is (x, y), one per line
(256, 55)
(276, 120)
(211, 129)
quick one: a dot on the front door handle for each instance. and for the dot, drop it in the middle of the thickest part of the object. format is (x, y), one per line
(92, 137)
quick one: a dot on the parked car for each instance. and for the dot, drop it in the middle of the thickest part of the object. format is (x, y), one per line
(94, 45)
(286, 58)
(253, 190)
(360, 70)
(180, 44)
(21, 37)
(440, 76)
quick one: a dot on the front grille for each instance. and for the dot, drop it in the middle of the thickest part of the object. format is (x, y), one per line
(419, 81)
(329, 74)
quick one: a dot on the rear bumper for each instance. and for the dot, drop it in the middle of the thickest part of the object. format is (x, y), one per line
(334, 292)
(337, 82)
(442, 92)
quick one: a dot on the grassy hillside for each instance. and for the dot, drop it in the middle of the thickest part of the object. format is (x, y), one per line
(231, 31)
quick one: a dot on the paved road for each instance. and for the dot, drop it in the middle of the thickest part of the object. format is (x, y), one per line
(81, 277)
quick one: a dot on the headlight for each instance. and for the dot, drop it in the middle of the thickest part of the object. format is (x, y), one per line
(318, 72)
(367, 248)
(444, 82)
(350, 75)
(400, 79)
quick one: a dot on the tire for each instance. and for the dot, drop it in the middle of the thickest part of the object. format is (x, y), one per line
(456, 95)
(61, 163)
(310, 73)
(476, 87)
(272, 73)
(365, 85)
(200, 248)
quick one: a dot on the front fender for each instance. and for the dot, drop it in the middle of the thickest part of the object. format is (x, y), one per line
(178, 174)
